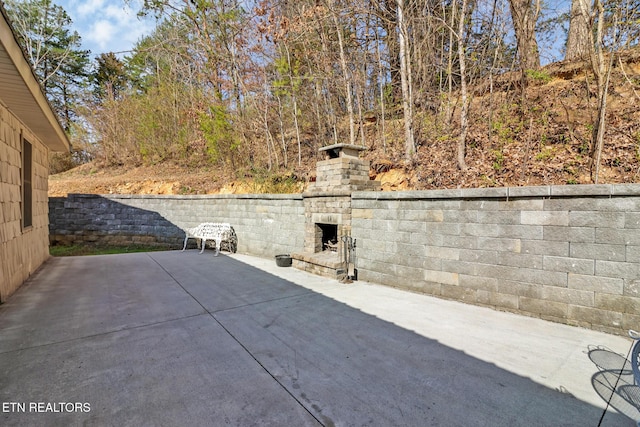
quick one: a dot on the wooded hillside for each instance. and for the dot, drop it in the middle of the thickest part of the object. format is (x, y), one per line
(550, 147)
(443, 93)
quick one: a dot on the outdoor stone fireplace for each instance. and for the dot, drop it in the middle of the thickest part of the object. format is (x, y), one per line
(327, 205)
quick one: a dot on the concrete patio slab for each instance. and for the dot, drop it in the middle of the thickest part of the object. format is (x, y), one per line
(178, 338)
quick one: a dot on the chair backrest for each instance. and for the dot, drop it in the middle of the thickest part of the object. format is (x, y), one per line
(211, 229)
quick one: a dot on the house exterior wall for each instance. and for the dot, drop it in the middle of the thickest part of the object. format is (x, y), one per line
(21, 251)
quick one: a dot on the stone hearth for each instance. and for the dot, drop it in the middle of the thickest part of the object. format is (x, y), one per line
(327, 202)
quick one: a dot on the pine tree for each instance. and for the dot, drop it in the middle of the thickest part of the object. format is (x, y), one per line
(60, 64)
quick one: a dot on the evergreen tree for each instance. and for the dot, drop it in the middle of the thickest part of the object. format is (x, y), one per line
(109, 78)
(60, 64)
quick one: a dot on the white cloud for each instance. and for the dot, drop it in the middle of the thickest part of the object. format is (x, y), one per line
(119, 13)
(107, 25)
(90, 7)
(101, 33)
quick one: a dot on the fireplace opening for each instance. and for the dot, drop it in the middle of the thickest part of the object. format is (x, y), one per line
(327, 237)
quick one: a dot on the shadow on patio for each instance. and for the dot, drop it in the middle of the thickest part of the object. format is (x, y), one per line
(172, 338)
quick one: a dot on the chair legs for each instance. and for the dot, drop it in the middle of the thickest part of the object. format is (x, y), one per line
(218, 239)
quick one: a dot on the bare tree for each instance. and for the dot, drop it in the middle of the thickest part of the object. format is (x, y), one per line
(464, 96)
(601, 68)
(405, 75)
(452, 35)
(346, 75)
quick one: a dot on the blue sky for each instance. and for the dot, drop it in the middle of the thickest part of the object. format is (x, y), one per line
(107, 25)
(112, 26)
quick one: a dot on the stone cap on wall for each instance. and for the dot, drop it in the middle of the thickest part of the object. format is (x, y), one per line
(549, 191)
(257, 196)
(342, 150)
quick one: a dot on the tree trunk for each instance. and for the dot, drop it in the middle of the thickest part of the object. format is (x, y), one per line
(392, 44)
(599, 128)
(524, 14)
(294, 99)
(405, 75)
(268, 137)
(282, 131)
(602, 71)
(347, 82)
(383, 114)
(449, 110)
(578, 45)
(464, 97)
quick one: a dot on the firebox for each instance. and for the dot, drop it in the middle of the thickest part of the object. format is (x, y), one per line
(326, 237)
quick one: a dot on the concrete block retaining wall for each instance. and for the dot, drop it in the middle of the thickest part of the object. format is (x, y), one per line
(569, 254)
(266, 225)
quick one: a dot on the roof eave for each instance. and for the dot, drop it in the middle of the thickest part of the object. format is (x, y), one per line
(21, 92)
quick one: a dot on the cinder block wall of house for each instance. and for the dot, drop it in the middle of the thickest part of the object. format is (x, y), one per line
(569, 254)
(22, 251)
(266, 225)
